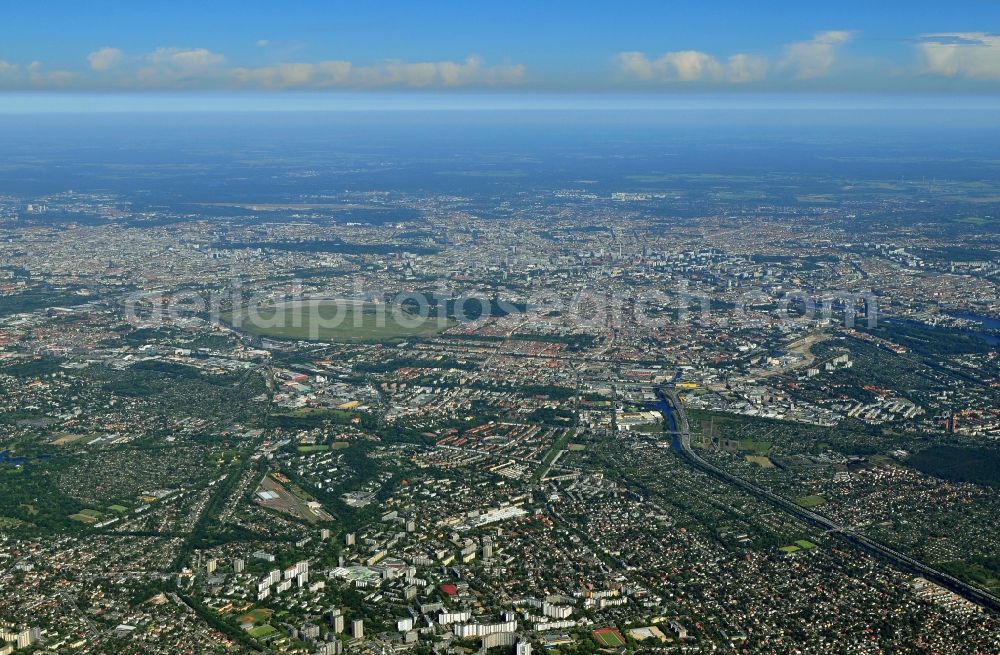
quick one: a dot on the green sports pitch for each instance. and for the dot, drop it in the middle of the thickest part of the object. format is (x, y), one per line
(609, 638)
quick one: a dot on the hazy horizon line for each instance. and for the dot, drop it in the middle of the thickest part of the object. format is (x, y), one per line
(48, 102)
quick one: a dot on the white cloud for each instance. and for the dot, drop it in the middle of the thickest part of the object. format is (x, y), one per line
(38, 76)
(340, 73)
(815, 57)
(691, 66)
(302, 75)
(334, 72)
(104, 59)
(200, 68)
(7, 69)
(962, 54)
(635, 65)
(263, 43)
(747, 68)
(196, 58)
(440, 73)
(801, 59)
(181, 67)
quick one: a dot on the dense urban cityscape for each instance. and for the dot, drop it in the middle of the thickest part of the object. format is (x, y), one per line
(666, 417)
(330, 337)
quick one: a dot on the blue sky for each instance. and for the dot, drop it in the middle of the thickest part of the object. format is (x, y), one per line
(845, 47)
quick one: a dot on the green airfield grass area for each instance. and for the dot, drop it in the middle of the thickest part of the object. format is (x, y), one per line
(338, 322)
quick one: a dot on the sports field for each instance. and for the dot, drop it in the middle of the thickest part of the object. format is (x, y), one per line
(257, 616)
(609, 638)
(262, 631)
(343, 322)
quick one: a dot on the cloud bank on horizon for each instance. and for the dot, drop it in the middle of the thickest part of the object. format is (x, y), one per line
(110, 68)
(802, 64)
(801, 60)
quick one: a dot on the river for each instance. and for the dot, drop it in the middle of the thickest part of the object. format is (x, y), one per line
(988, 323)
